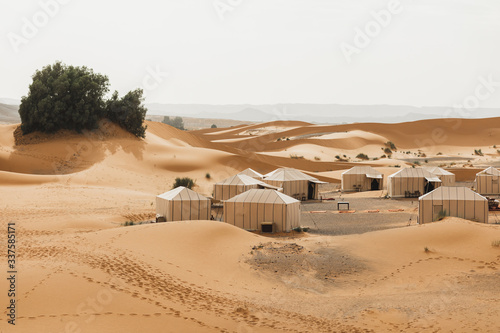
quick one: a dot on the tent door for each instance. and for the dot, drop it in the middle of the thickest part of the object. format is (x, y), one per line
(375, 185)
(429, 187)
(311, 190)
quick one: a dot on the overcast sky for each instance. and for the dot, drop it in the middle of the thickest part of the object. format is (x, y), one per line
(423, 53)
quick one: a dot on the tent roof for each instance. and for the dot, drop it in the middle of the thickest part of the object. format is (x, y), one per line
(438, 171)
(453, 193)
(182, 193)
(263, 196)
(363, 170)
(251, 173)
(413, 173)
(288, 174)
(240, 179)
(490, 171)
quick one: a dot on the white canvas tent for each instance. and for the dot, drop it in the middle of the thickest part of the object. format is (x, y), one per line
(410, 182)
(487, 181)
(237, 184)
(452, 201)
(181, 204)
(447, 178)
(251, 173)
(248, 210)
(362, 178)
(294, 183)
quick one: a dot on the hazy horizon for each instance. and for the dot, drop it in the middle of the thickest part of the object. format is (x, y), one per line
(426, 53)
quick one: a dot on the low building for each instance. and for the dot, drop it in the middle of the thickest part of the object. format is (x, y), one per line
(237, 184)
(411, 182)
(181, 204)
(251, 209)
(487, 181)
(362, 178)
(452, 201)
(294, 183)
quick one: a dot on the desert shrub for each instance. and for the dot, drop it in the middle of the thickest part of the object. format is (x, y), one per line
(213, 126)
(317, 158)
(416, 162)
(391, 145)
(129, 223)
(440, 153)
(495, 243)
(362, 156)
(186, 182)
(207, 176)
(383, 156)
(426, 250)
(388, 151)
(478, 152)
(426, 161)
(296, 157)
(128, 112)
(176, 122)
(337, 157)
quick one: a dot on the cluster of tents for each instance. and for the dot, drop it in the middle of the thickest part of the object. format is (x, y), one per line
(400, 184)
(434, 187)
(249, 199)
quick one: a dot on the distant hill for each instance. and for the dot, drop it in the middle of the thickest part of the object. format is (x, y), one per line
(9, 114)
(11, 101)
(317, 113)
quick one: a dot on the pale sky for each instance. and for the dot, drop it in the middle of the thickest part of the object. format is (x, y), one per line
(431, 53)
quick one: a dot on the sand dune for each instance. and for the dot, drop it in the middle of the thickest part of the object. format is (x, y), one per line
(198, 276)
(83, 270)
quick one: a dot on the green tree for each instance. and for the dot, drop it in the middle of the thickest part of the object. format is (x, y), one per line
(63, 97)
(128, 112)
(69, 97)
(213, 126)
(176, 122)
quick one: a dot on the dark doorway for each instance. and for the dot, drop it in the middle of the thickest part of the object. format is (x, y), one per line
(429, 187)
(310, 191)
(375, 184)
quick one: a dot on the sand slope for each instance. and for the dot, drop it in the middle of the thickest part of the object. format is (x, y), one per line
(83, 270)
(195, 276)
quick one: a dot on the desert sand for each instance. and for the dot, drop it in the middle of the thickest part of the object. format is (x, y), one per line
(81, 270)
